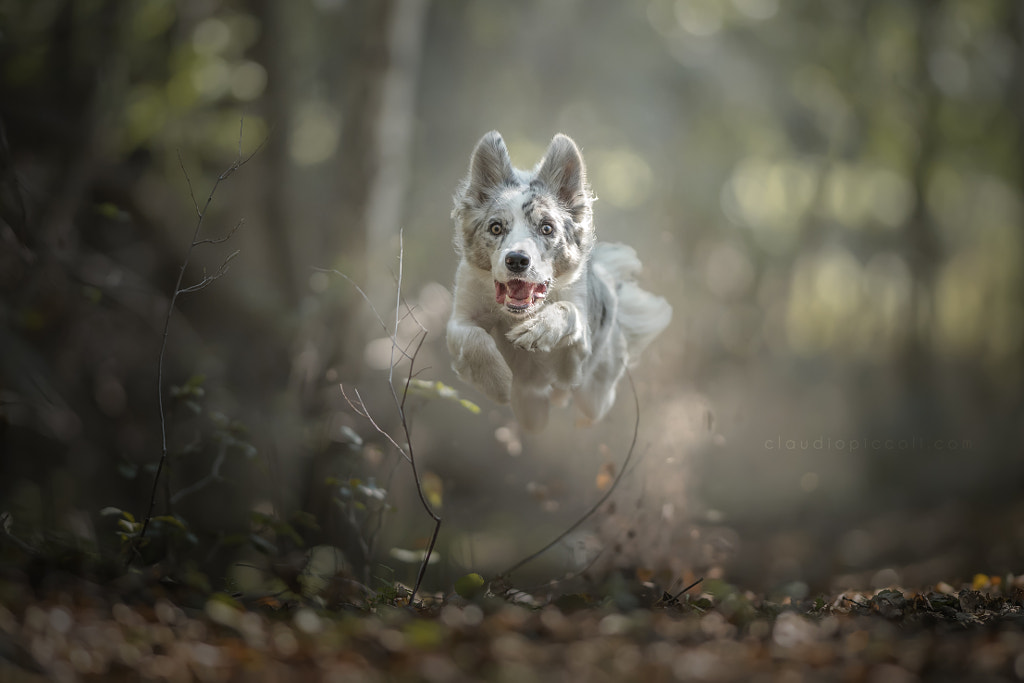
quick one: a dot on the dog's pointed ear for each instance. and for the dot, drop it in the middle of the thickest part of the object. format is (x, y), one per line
(564, 173)
(489, 167)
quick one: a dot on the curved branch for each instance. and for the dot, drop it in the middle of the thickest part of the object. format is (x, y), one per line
(601, 501)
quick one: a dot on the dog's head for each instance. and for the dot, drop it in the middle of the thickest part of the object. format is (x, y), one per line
(532, 231)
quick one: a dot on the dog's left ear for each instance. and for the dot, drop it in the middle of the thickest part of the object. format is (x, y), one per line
(564, 173)
(489, 168)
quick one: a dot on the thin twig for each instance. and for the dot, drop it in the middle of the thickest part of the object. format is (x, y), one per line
(416, 476)
(369, 303)
(178, 290)
(601, 501)
(676, 596)
(568, 577)
(221, 240)
(400, 405)
(211, 478)
(209, 279)
(397, 354)
(360, 409)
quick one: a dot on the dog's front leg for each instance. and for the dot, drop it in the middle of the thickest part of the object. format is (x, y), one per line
(476, 360)
(556, 325)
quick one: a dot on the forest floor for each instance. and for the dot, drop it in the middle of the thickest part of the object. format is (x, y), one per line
(146, 630)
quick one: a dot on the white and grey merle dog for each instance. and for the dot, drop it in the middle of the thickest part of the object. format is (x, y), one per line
(540, 310)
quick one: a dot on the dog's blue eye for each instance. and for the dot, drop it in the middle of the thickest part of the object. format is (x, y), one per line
(495, 228)
(546, 229)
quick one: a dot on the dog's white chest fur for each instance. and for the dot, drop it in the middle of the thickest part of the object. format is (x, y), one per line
(540, 311)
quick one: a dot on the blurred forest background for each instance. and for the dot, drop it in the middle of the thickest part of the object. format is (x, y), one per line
(829, 194)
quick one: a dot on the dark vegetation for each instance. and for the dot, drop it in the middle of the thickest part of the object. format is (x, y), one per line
(230, 445)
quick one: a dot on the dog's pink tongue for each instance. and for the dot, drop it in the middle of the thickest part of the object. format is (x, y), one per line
(520, 290)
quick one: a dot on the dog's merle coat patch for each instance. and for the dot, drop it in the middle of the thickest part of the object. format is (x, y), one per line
(540, 310)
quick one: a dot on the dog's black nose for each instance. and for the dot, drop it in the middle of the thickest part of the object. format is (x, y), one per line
(517, 261)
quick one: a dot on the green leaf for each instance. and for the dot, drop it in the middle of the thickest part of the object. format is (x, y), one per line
(261, 518)
(263, 545)
(433, 489)
(469, 405)
(301, 518)
(193, 388)
(469, 586)
(109, 511)
(413, 556)
(170, 519)
(225, 599)
(427, 389)
(196, 382)
(107, 209)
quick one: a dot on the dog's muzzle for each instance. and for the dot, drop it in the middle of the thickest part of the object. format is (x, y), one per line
(519, 295)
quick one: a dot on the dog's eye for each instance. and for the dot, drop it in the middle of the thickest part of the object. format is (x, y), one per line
(546, 229)
(495, 228)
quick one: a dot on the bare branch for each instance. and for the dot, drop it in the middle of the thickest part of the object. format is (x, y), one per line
(221, 240)
(179, 290)
(361, 410)
(209, 279)
(191, 192)
(397, 354)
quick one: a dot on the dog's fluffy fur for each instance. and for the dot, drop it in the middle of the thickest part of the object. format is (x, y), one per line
(540, 310)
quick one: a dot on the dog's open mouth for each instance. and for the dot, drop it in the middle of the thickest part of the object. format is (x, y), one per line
(519, 295)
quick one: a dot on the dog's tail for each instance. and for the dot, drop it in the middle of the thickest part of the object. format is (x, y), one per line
(642, 316)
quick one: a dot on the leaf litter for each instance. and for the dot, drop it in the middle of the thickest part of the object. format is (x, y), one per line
(712, 632)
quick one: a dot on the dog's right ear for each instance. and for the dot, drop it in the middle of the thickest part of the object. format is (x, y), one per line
(489, 167)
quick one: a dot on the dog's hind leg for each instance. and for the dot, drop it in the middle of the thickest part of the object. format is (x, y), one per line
(531, 407)
(596, 395)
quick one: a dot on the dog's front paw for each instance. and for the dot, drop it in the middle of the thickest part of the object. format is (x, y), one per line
(554, 326)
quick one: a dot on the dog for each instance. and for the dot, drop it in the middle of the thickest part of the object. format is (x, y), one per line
(541, 311)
